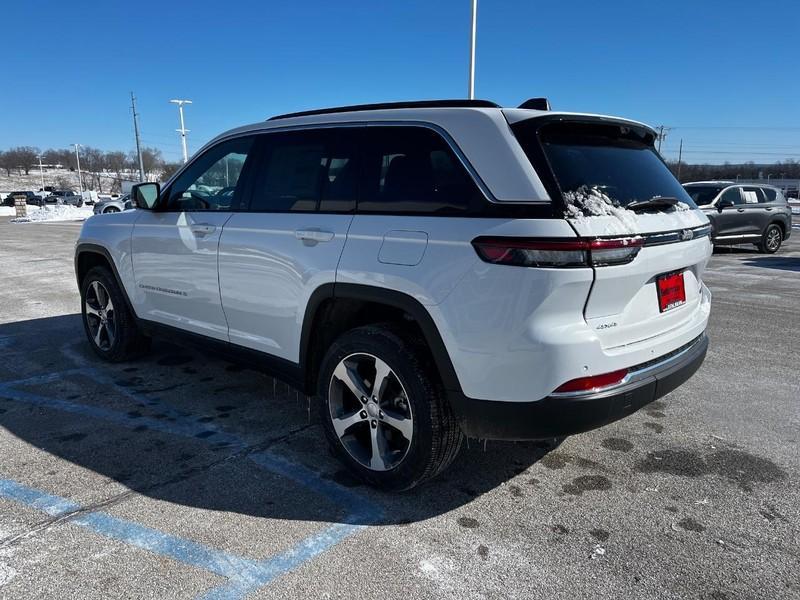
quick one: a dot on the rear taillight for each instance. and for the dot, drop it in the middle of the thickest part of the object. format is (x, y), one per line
(579, 252)
(595, 382)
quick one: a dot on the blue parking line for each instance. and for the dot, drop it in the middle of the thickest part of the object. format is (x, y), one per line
(248, 575)
(245, 575)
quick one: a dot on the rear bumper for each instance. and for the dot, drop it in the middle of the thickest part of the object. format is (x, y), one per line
(560, 416)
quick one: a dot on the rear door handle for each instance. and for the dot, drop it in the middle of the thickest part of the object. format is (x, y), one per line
(202, 228)
(739, 210)
(313, 234)
(769, 208)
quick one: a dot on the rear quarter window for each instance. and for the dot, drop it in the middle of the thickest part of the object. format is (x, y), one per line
(410, 169)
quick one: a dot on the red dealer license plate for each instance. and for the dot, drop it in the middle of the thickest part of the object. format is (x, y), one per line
(671, 292)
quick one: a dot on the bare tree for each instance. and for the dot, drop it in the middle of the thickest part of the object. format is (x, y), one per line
(151, 160)
(26, 157)
(118, 164)
(6, 162)
(168, 169)
(93, 163)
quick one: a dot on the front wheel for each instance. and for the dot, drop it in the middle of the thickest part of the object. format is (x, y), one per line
(109, 324)
(111, 209)
(384, 414)
(771, 240)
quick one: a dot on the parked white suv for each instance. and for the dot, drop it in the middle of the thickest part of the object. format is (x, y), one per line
(427, 270)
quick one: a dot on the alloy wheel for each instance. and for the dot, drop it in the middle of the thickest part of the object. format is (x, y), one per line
(773, 239)
(100, 316)
(370, 411)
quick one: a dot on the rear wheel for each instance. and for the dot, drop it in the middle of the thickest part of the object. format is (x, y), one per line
(111, 209)
(384, 415)
(771, 240)
(108, 322)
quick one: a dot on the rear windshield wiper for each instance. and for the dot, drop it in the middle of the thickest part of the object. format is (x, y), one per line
(654, 203)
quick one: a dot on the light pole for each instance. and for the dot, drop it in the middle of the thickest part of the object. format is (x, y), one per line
(41, 171)
(471, 90)
(183, 129)
(78, 159)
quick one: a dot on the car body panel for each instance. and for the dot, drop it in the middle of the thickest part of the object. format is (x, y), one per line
(269, 266)
(175, 269)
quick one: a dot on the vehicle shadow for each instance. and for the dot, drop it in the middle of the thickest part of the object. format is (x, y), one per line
(183, 428)
(782, 263)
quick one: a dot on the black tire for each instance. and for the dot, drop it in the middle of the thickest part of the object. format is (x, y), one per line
(128, 342)
(771, 239)
(111, 209)
(436, 437)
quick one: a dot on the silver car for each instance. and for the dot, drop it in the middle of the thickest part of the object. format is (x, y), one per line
(114, 205)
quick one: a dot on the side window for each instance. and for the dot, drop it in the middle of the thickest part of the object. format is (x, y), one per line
(770, 194)
(411, 169)
(212, 181)
(752, 195)
(306, 171)
(733, 195)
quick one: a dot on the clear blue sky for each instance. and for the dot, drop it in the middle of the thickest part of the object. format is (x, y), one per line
(726, 75)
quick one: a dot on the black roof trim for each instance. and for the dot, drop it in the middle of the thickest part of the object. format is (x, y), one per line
(392, 105)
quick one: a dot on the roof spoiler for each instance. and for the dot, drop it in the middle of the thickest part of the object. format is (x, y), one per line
(536, 104)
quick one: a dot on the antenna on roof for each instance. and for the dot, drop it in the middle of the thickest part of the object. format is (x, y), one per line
(536, 104)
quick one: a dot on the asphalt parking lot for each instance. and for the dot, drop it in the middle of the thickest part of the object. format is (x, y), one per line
(185, 476)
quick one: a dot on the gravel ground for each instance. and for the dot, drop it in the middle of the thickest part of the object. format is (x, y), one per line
(182, 476)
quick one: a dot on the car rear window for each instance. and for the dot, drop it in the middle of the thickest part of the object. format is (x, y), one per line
(614, 159)
(703, 194)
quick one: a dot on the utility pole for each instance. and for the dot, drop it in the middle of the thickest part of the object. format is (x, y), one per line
(183, 131)
(680, 154)
(78, 159)
(136, 132)
(41, 171)
(471, 90)
(662, 135)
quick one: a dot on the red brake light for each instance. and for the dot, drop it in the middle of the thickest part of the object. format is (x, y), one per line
(578, 252)
(587, 384)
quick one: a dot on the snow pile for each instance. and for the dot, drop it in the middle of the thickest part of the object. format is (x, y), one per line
(586, 202)
(62, 212)
(682, 206)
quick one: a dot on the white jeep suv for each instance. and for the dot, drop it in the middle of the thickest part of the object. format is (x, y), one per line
(426, 270)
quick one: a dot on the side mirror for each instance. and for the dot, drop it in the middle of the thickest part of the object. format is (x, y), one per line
(726, 203)
(145, 195)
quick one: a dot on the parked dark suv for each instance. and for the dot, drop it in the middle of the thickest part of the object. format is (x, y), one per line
(744, 213)
(29, 197)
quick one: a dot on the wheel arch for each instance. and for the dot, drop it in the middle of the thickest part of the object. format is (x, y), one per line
(88, 256)
(334, 308)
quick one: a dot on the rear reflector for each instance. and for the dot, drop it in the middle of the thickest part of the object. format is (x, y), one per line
(588, 384)
(578, 252)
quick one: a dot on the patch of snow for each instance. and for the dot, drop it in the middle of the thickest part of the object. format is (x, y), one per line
(588, 202)
(6, 574)
(598, 552)
(64, 212)
(594, 213)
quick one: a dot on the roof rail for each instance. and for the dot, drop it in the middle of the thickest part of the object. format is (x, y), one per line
(392, 105)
